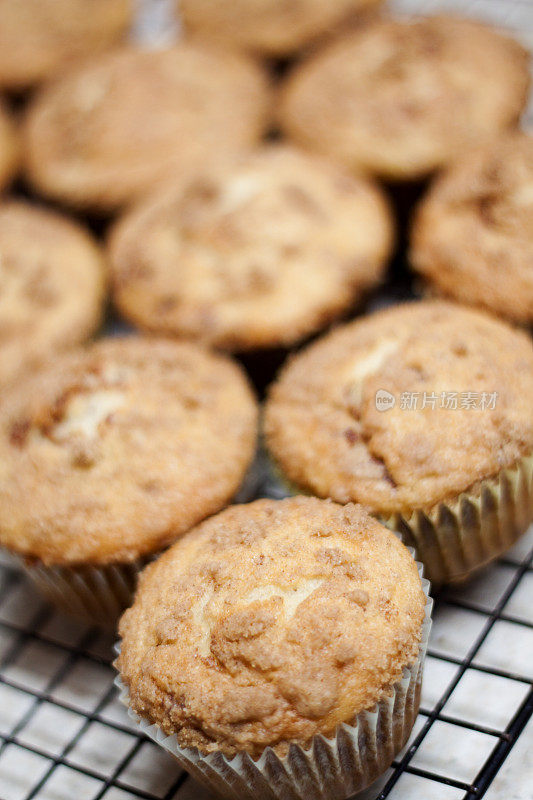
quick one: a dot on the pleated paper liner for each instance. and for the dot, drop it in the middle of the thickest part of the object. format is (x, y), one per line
(454, 539)
(98, 594)
(328, 768)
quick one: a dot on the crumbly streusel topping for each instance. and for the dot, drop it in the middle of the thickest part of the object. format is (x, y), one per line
(37, 39)
(222, 258)
(269, 623)
(473, 235)
(116, 126)
(271, 27)
(51, 285)
(330, 437)
(401, 98)
(111, 453)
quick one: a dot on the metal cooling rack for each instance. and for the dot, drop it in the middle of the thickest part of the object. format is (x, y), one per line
(63, 734)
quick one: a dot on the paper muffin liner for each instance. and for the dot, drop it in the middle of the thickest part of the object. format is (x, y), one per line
(328, 768)
(455, 538)
(98, 594)
(95, 594)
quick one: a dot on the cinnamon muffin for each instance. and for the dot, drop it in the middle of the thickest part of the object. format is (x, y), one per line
(422, 413)
(9, 147)
(269, 631)
(401, 98)
(110, 129)
(38, 38)
(51, 285)
(110, 453)
(223, 258)
(268, 27)
(473, 234)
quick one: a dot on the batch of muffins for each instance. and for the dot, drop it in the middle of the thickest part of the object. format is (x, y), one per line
(241, 176)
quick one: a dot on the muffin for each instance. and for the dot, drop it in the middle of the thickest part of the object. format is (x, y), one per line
(401, 98)
(113, 127)
(288, 633)
(473, 234)
(39, 38)
(112, 452)
(422, 413)
(223, 258)
(268, 27)
(9, 147)
(51, 286)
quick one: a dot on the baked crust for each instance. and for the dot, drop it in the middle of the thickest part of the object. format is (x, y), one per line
(39, 38)
(268, 27)
(401, 98)
(326, 432)
(114, 127)
(222, 258)
(52, 281)
(473, 234)
(270, 623)
(112, 452)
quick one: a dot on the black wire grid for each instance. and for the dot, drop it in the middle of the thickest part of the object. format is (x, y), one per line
(63, 734)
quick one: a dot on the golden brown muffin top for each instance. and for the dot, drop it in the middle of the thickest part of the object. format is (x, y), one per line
(330, 432)
(269, 27)
(39, 38)
(51, 285)
(223, 258)
(400, 98)
(112, 452)
(270, 623)
(473, 234)
(113, 127)
(9, 147)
